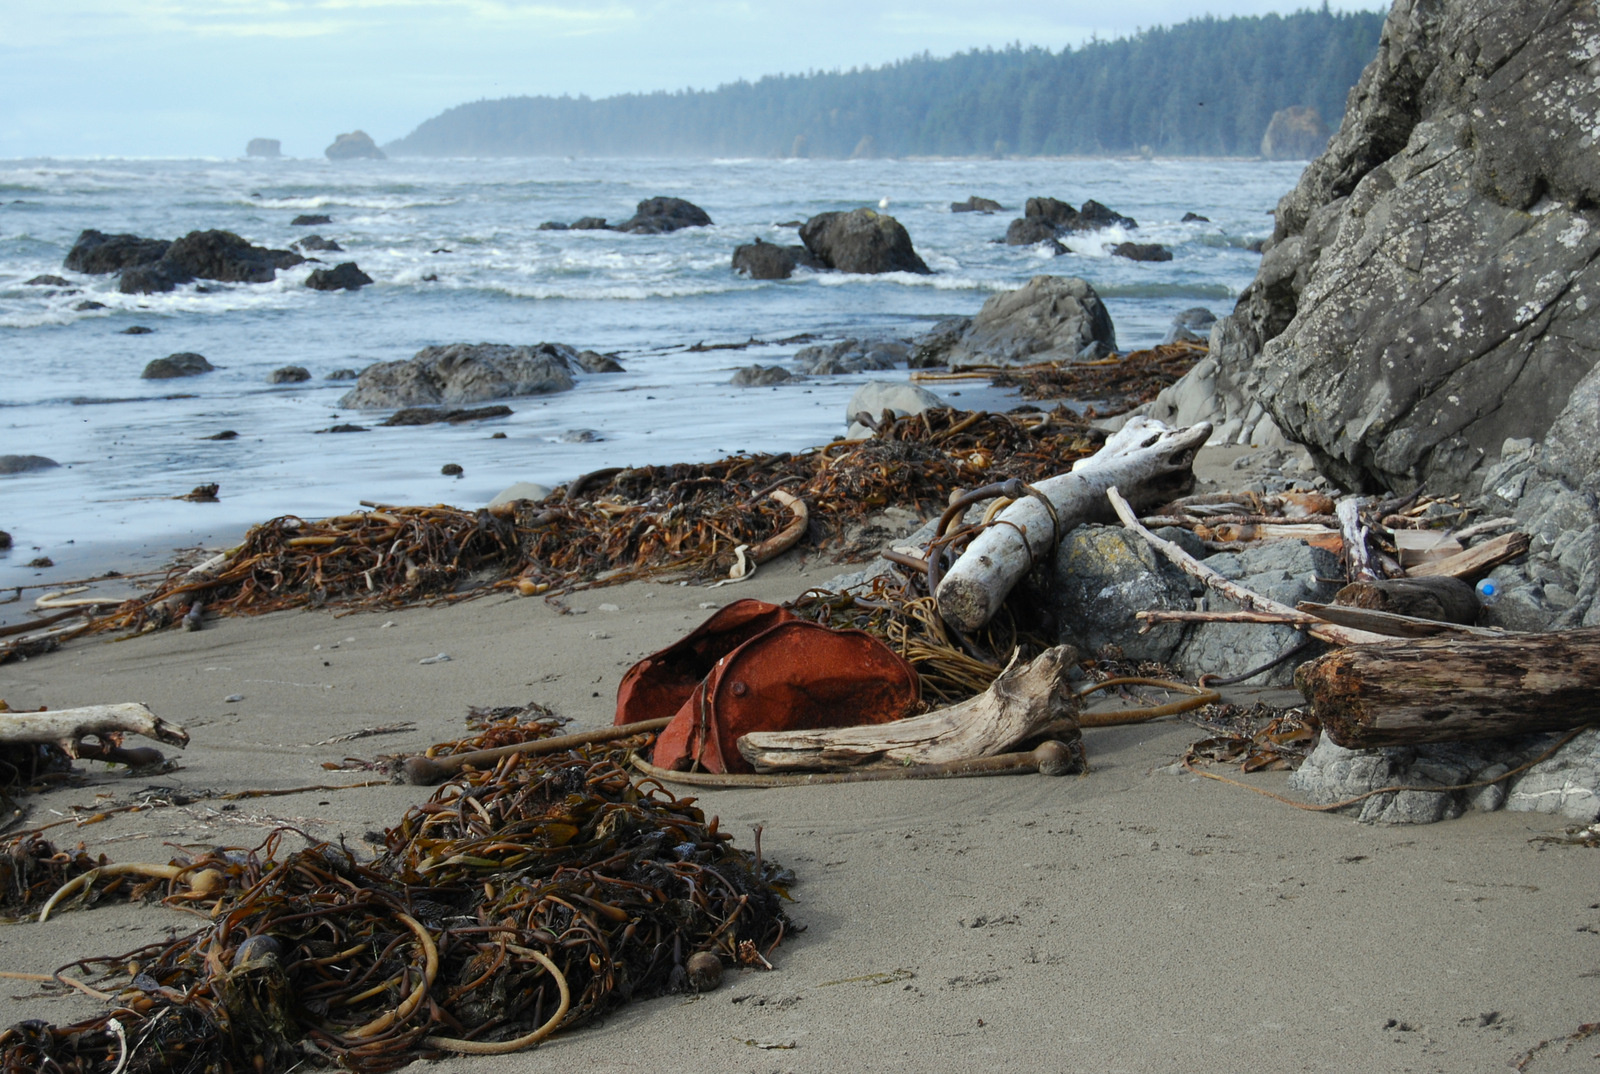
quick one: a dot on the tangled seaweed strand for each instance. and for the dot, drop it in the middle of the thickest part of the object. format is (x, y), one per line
(442, 943)
(1116, 384)
(685, 519)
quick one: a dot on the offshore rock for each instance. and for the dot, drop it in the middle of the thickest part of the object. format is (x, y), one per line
(264, 147)
(289, 374)
(23, 464)
(463, 373)
(1142, 251)
(657, 216)
(761, 260)
(149, 265)
(357, 145)
(98, 253)
(1050, 318)
(861, 241)
(345, 276)
(183, 364)
(975, 204)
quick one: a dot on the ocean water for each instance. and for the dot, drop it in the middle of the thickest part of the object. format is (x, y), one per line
(71, 388)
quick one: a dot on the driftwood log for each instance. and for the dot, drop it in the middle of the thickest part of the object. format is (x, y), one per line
(68, 727)
(1477, 560)
(1150, 461)
(1447, 689)
(1440, 597)
(1022, 701)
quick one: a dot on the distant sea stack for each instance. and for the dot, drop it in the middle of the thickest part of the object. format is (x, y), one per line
(357, 145)
(1296, 133)
(264, 147)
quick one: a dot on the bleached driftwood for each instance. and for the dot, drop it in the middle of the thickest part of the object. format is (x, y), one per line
(1153, 462)
(1248, 600)
(1478, 559)
(1357, 556)
(67, 727)
(1020, 702)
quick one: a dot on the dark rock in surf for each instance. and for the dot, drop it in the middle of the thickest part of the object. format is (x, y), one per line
(594, 362)
(658, 216)
(222, 255)
(1194, 218)
(761, 376)
(427, 415)
(88, 306)
(1142, 251)
(342, 374)
(25, 464)
(342, 277)
(553, 225)
(975, 204)
(182, 364)
(47, 281)
(319, 244)
(589, 223)
(1052, 211)
(861, 241)
(98, 253)
(289, 374)
(310, 220)
(137, 330)
(464, 373)
(1092, 216)
(761, 260)
(1030, 230)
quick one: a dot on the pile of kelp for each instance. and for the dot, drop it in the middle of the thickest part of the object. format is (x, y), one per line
(1111, 385)
(686, 520)
(519, 901)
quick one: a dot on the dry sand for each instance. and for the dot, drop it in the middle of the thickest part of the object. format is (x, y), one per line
(1131, 919)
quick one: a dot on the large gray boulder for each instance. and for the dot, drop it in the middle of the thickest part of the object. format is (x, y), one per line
(876, 396)
(861, 241)
(1050, 318)
(1100, 577)
(463, 373)
(761, 260)
(1430, 287)
(183, 364)
(24, 464)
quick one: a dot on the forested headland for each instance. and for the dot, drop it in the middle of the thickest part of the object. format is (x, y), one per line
(1207, 87)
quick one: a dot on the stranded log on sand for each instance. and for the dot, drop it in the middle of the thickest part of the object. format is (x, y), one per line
(1146, 458)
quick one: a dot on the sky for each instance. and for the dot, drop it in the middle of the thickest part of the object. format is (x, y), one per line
(199, 78)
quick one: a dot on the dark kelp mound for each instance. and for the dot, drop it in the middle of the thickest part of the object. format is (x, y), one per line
(517, 902)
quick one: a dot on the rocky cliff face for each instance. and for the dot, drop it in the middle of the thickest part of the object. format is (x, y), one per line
(1432, 290)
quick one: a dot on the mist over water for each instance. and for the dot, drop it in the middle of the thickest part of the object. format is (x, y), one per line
(71, 378)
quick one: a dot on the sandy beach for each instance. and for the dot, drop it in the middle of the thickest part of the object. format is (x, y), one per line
(1135, 918)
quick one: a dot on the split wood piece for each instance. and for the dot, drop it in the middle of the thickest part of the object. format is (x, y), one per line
(1477, 560)
(1016, 705)
(1448, 689)
(1152, 461)
(35, 624)
(1356, 555)
(1262, 531)
(1149, 619)
(1396, 626)
(423, 771)
(1249, 601)
(1190, 521)
(1439, 597)
(64, 727)
(1052, 758)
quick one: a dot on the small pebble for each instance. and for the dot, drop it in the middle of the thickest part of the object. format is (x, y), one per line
(704, 604)
(387, 625)
(440, 659)
(598, 635)
(231, 698)
(451, 469)
(609, 608)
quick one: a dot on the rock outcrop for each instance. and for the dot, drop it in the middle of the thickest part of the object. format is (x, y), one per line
(1296, 133)
(357, 145)
(183, 364)
(346, 276)
(264, 147)
(150, 265)
(1047, 219)
(761, 260)
(1428, 308)
(862, 240)
(657, 216)
(1142, 251)
(1049, 318)
(851, 356)
(975, 204)
(289, 374)
(760, 376)
(463, 373)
